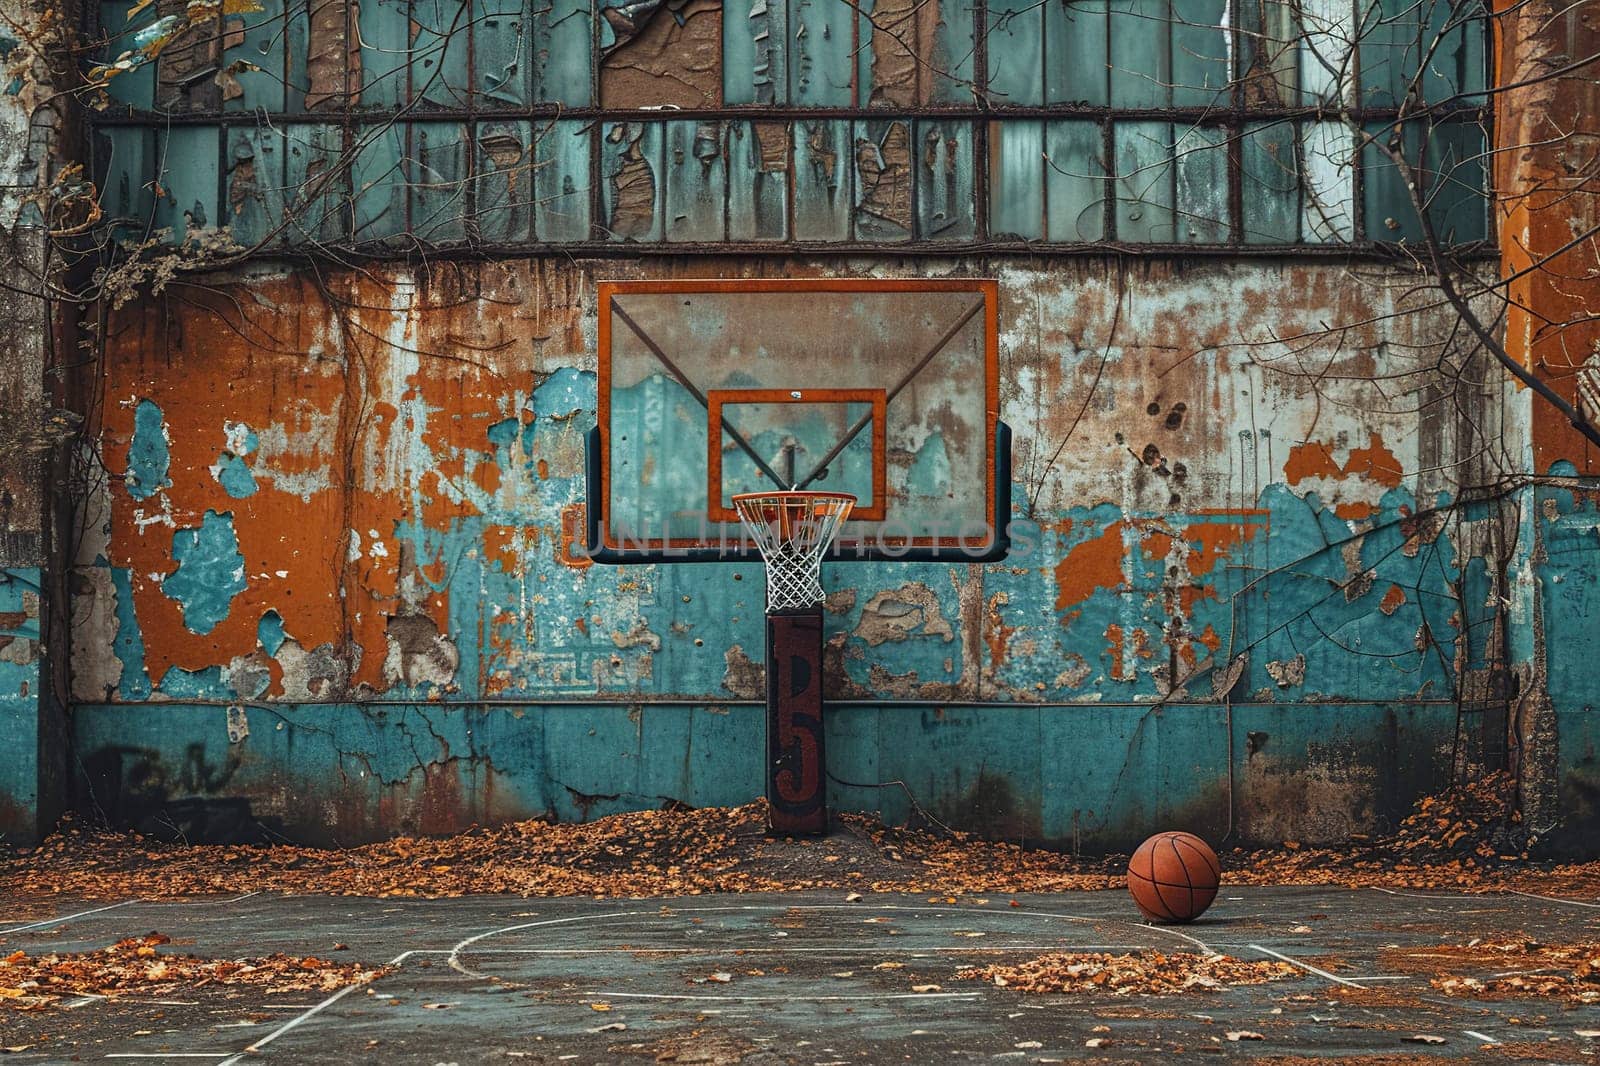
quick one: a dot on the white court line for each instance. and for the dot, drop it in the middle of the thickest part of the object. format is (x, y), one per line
(305, 1016)
(779, 949)
(454, 960)
(1304, 966)
(167, 1054)
(794, 998)
(1479, 1036)
(68, 918)
(126, 903)
(1486, 896)
(1557, 899)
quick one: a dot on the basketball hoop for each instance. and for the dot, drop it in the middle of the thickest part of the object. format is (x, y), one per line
(793, 531)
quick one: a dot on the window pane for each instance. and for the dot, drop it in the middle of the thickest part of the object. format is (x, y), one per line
(1268, 52)
(385, 44)
(1389, 212)
(1201, 47)
(135, 87)
(436, 171)
(1328, 197)
(562, 180)
(883, 180)
(824, 165)
(753, 52)
(1014, 47)
(439, 33)
(944, 182)
(631, 181)
(758, 185)
(1201, 157)
(1075, 185)
(697, 181)
(1453, 50)
(377, 179)
(1390, 32)
(1016, 179)
(1076, 52)
(499, 39)
(1144, 182)
(1141, 71)
(1457, 202)
(314, 185)
(1327, 52)
(505, 181)
(1270, 173)
(253, 60)
(562, 44)
(255, 184)
(821, 53)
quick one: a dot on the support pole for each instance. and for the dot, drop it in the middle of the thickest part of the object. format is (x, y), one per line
(796, 778)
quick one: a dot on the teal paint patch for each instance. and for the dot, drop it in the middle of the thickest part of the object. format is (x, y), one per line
(180, 684)
(270, 633)
(134, 683)
(231, 470)
(149, 458)
(931, 468)
(234, 475)
(210, 571)
(20, 691)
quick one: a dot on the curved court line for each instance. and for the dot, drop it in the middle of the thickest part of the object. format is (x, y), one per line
(1486, 896)
(454, 960)
(47, 922)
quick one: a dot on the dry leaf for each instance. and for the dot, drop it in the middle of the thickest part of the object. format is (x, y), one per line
(1423, 1038)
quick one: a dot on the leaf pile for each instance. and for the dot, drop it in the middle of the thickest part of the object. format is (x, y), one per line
(681, 851)
(1147, 973)
(1509, 969)
(135, 967)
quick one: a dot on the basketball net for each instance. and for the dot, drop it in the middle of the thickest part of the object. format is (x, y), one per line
(793, 530)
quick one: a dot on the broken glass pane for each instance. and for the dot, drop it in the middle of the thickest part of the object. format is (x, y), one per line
(135, 85)
(631, 176)
(1016, 179)
(439, 34)
(883, 180)
(823, 167)
(1328, 182)
(944, 182)
(697, 181)
(950, 71)
(1268, 52)
(758, 189)
(252, 74)
(1144, 183)
(255, 184)
(1074, 178)
(504, 182)
(127, 156)
(753, 69)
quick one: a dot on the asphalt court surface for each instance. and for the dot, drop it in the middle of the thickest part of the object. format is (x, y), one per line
(795, 979)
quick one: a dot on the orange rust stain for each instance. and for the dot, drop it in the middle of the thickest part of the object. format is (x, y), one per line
(1354, 510)
(1375, 462)
(998, 636)
(1393, 600)
(1089, 566)
(505, 545)
(1117, 644)
(544, 469)
(1216, 541)
(1314, 459)
(1309, 460)
(1114, 649)
(574, 537)
(1208, 637)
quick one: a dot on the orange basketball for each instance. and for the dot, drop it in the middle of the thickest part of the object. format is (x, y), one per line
(1173, 877)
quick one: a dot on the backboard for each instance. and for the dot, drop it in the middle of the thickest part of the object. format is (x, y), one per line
(884, 389)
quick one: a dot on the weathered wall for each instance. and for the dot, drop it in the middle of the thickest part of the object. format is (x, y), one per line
(332, 576)
(32, 770)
